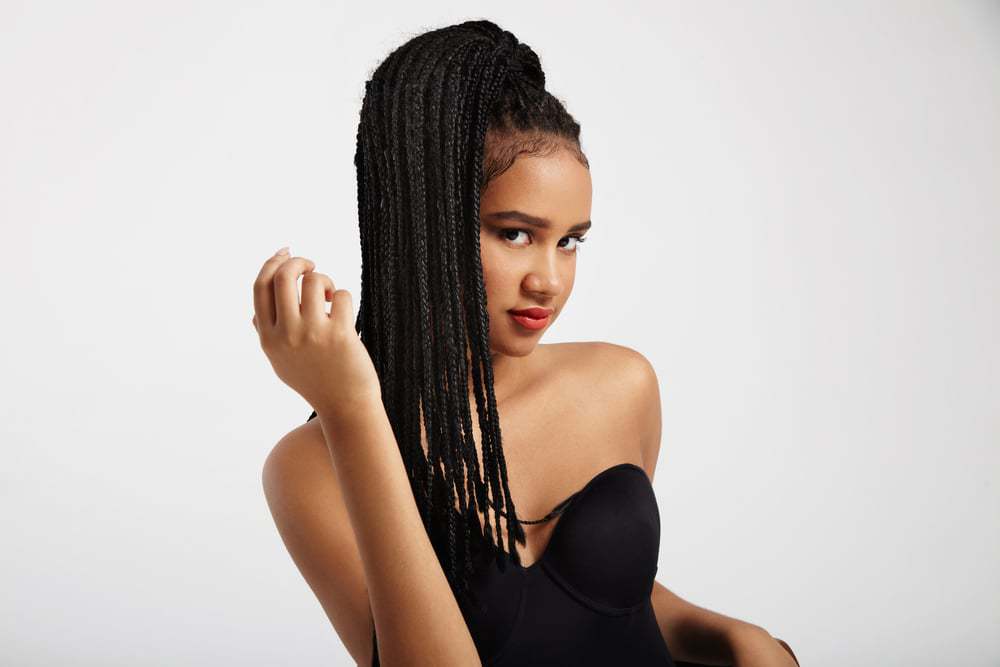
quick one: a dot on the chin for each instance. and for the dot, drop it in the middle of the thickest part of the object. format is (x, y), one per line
(510, 339)
(519, 348)
(523, 350)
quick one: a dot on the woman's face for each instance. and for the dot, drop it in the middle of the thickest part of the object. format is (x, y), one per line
(530, 219)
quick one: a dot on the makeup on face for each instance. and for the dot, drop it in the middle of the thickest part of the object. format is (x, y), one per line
(533, 319)
(533, 218)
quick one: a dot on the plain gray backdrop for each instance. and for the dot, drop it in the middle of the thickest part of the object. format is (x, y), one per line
(796, 219)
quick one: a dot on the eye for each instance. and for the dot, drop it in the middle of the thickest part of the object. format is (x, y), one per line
(512, 230)
(578, 240)
(510, 234)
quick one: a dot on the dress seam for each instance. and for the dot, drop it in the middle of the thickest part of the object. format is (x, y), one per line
(587, 601)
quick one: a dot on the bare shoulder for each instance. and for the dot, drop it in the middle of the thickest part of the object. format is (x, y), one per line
(613, 366)
(625, 382)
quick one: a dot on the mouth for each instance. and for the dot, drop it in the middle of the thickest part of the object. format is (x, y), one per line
(532, 319)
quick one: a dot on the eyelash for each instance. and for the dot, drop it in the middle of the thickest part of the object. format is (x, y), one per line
(579, 237)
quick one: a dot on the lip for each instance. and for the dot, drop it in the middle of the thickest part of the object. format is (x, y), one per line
(534, 313)
(532, 319)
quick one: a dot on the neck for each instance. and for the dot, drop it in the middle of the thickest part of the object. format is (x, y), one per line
(507, 370)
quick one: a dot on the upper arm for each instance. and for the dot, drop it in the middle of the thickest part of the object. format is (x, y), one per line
(304, 497)
(649, 419)
(637, 384)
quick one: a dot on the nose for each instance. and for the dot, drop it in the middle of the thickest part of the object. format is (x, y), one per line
(543, 279)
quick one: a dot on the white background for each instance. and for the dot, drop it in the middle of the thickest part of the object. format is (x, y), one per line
(796, 219)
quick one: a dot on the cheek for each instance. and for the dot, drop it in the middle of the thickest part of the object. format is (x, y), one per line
(496, 273)
(569, 280)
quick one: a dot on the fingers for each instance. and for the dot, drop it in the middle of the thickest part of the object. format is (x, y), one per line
(317, 289)
(263, 291)
(286, 290)
(342, 309)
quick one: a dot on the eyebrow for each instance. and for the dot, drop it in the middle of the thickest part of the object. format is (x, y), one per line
(533, 220)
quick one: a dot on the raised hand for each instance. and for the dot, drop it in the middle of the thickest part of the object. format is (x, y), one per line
(317, 354)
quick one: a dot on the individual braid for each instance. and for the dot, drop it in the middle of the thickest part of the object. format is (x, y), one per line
(444, 114)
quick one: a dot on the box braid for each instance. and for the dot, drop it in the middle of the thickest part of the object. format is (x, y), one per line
(443, 115)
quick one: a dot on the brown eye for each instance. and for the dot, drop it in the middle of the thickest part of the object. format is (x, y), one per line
(510, 235)
(505, 232)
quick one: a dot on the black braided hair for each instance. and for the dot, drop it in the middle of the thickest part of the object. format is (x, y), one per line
(443, 115)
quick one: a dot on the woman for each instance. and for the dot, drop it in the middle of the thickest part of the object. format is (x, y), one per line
(393, 499)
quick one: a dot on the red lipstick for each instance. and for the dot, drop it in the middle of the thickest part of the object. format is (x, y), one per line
(532, 318)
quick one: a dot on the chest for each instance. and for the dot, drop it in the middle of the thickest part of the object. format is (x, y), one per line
(555, 440)
(586, 598)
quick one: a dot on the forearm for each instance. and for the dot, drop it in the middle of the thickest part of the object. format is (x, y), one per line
(417, 619)
(693, 633)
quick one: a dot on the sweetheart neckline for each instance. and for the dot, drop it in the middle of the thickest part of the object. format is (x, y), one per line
(538, 561)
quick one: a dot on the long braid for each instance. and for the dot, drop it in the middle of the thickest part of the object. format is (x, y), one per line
(447, 285)
(442, 115)
(463, 444)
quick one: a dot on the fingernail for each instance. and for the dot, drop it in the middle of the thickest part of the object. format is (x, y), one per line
(283, 251)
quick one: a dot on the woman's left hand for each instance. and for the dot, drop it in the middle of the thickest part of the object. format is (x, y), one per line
(755, 647)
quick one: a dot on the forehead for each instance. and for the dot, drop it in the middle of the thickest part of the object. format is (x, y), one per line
(555, 186)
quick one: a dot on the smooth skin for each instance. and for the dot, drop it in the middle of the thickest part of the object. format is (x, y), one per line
(361, 547)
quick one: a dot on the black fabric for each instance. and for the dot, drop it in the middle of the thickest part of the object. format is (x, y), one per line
(586, 600)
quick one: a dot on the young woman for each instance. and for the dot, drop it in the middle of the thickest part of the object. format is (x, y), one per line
(398, 499)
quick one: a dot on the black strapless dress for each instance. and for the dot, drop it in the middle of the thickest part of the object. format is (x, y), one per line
(586, 600)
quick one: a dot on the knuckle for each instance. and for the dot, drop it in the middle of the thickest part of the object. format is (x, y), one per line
(291, 268)
(312, 276)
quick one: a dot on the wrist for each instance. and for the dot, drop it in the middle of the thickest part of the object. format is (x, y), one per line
(746, 638)
(360, 405)
(741, 633)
